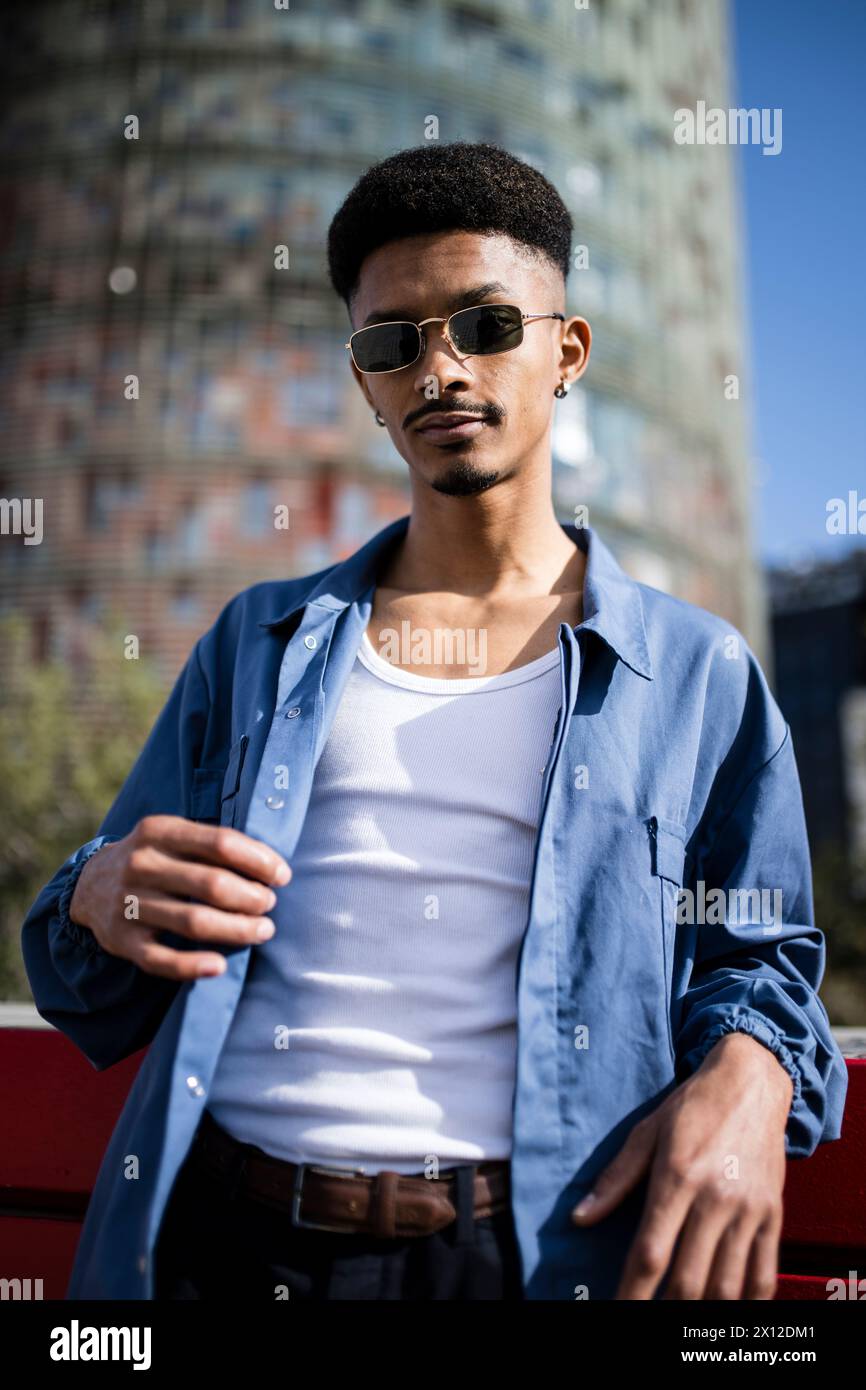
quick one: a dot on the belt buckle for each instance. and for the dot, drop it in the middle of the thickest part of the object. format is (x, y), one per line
(297, 1219)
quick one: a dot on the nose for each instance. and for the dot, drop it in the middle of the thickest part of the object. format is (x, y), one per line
(439, 359)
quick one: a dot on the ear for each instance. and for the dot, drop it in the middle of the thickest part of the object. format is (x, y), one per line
(576, 345)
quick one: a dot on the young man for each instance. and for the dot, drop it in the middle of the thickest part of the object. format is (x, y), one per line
(392, 889)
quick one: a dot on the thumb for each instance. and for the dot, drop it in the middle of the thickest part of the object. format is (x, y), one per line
(620, 1176)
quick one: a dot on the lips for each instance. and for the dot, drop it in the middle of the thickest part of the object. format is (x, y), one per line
(451, 426)
(445, 421)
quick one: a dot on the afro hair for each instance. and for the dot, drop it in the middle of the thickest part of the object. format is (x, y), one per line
(438, 188)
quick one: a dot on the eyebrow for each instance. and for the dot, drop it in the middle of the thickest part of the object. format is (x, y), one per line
(465, 300)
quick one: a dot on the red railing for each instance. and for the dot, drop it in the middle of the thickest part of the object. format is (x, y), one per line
(58, 1115)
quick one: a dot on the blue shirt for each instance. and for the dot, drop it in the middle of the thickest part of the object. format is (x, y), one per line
(670, 767)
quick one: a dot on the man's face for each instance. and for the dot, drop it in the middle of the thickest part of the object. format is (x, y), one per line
(508, 394)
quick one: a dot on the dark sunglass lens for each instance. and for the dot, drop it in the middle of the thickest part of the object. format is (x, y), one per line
(385, 346)
(489, 328)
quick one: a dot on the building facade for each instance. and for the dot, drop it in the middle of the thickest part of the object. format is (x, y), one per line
(176, 388)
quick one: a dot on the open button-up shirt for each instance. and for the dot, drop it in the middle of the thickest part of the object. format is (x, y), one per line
(670, 768)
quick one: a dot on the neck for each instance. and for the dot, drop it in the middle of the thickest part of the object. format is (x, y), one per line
(503, 543)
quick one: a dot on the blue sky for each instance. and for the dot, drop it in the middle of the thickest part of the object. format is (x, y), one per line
(805, 220)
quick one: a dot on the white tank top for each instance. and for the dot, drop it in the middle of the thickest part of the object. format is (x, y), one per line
(377, 1028)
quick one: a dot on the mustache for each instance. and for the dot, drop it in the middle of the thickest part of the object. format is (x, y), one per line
(491, 413)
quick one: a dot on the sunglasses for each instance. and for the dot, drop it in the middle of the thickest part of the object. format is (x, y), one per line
(486, 328)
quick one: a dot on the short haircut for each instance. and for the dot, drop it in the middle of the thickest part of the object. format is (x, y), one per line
(454, 187)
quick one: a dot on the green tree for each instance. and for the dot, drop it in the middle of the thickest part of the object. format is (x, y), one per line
(67, 742)
(841, 915)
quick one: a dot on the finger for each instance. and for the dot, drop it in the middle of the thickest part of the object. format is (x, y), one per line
(151, 956)
(217, 844)
(762, 1271)
(667, 1206)
(202, 923)
(727, 1273)
(619, 1177)
(704, 1228)
(219, 887)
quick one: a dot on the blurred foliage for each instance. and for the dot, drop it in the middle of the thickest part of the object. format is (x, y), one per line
(842, 919)
(61, 766)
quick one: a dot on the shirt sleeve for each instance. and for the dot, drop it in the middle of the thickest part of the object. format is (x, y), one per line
(759, 969)
(104, 1003)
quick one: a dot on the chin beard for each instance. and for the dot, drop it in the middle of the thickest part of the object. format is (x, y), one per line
(463, 479)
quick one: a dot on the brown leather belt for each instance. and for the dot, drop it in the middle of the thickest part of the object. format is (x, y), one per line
(318, 1198)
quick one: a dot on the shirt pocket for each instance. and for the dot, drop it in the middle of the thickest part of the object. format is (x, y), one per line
(205, 799)
(667, 841)
(214, 790)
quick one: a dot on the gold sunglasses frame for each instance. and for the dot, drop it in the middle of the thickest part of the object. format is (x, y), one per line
(422, 337)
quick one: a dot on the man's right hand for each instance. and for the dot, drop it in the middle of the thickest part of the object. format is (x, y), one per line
(163, 861)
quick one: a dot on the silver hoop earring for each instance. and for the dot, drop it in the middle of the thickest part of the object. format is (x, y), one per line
(378, 419)
(562, 389)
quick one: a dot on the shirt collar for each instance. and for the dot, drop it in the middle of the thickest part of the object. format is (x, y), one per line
(612, 604)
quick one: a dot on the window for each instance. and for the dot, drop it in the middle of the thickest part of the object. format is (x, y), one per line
(191, 530)
(521, 56)
(257, 516)
(105, 497)
(585, 182)
(156, 548)
(185, 606)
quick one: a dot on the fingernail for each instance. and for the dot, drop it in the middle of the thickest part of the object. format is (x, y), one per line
(214, 965)
(265, 931)
(583, 1207)
(283, 873)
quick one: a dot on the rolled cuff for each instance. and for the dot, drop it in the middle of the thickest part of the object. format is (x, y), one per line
(81, 935)
(756, 1026)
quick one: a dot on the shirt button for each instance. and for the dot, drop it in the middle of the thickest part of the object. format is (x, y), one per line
(310, 642)
(293, 712)
(195, 1088)
(274, 802)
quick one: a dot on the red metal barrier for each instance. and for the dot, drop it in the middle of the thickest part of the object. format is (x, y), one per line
(59, 1114)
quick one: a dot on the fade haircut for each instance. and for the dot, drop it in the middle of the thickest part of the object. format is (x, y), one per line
(440, 188)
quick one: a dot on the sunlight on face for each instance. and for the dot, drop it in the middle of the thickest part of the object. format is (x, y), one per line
(509, 395)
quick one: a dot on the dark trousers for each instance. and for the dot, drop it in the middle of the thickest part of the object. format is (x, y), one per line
(214, 1243)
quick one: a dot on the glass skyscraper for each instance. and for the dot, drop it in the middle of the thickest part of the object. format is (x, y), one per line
(175, 367)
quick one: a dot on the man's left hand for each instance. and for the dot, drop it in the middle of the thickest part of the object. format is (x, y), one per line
(715, 1148)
